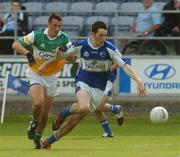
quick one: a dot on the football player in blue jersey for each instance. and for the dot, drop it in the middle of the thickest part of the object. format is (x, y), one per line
(75, 119)
(92, 84)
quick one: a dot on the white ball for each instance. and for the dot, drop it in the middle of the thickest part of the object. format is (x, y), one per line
(158, 115)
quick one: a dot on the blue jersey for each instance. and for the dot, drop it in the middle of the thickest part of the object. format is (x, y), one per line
(95, 63)
(111, 75)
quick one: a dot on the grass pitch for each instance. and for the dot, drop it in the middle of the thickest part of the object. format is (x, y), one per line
(136, 138)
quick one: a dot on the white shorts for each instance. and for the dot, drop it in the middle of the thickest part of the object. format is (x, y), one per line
(96, 95)
(48, 82)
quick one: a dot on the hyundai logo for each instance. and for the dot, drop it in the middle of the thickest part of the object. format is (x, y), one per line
(160, 71)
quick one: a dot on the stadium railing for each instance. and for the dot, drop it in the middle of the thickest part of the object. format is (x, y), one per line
(115, 37)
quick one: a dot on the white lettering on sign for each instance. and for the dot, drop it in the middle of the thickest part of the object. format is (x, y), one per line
(16, 69)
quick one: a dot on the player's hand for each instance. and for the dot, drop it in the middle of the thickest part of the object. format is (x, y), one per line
(63, 48)
(142, 92)
(59, 53)
(141, 89)
(30, 58)
(60, 48)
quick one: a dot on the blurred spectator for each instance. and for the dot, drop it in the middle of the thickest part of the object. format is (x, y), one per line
(1, 15)
(146, 23)
(171, 23)
(9, 26)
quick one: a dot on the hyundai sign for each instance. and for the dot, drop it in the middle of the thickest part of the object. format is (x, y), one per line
(160, 71)
(159, 76)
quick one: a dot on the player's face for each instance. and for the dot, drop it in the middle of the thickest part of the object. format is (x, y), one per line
(54, 27)
(99, 37)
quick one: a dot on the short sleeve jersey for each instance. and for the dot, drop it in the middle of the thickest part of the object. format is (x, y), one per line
(43, 48)
(95, 63)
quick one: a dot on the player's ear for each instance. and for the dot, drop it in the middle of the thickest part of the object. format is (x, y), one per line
(92, 34)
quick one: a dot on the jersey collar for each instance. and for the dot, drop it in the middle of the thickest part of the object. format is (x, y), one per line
(46, 32)
(90, 44)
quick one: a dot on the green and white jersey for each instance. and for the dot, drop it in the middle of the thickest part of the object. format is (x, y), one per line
(43, 47)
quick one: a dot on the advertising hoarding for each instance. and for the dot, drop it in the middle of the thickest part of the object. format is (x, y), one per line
(159, 75)
(17, 67)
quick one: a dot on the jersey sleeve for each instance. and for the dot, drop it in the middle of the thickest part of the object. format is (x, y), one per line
(117, 58)
(115, 55)
(74, 50)
(27, 40)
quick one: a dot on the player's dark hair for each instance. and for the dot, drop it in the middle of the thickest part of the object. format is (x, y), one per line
(97, 25)
(55, 15)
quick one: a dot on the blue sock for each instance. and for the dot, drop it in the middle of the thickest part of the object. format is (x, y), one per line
(53, 138)
(65, 113)
(114, 109)
(106, 127)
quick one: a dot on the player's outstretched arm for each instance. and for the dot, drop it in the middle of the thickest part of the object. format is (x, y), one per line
(67, 54)
(59, 55)
(45, 65)
(48, 62)
(140, 86)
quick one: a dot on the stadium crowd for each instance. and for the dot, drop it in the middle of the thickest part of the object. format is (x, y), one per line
(78, 15)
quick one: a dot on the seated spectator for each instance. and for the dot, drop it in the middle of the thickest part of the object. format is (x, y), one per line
(2, 13)
(9, 26)
(171, 23)
(1, 16)
(145, 24)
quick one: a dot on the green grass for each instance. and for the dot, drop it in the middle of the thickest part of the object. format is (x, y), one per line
(136, 138)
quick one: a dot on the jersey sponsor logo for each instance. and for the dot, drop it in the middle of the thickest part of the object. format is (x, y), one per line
(94, 62)
(160, 71)
(45, 55)
(95, 66)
